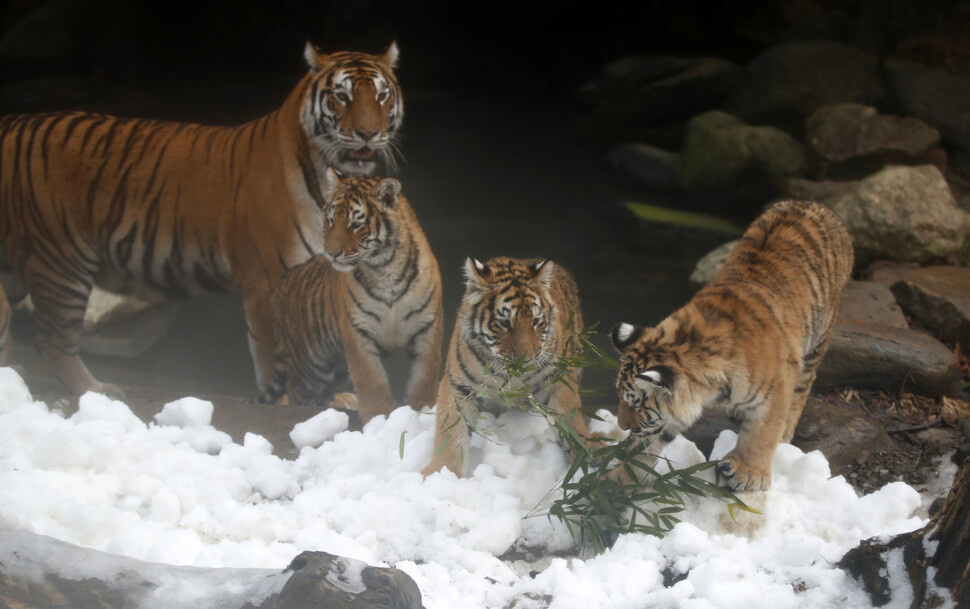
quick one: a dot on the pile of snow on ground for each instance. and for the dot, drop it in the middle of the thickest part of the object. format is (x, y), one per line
(179, 491)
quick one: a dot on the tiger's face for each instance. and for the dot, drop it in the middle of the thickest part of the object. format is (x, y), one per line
(508, 308)
(354, 109)
(653, 392)
(359, 223)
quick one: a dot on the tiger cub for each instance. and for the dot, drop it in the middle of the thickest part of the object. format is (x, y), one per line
(376, 289)
(750, 341)
(512, 311)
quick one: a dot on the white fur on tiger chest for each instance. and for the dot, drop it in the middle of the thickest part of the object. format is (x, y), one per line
(393, 325)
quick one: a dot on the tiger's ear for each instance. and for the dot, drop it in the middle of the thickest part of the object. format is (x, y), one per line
(661, 376)
(542, 271)
(315, 60)
(388, 191)
(331, 180)
(624, 335)
(477, 275)
(390, 56)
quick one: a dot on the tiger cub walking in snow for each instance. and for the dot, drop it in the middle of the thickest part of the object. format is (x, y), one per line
(512, 311)
(750, 341)
(377, 289)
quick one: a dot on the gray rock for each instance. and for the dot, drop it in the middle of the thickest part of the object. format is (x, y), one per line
(802, 189)
(905, 214)
(871, 356)
(723, 152)
(938, 297)
(842, 436)
(788, 82)
(873, 303)
(852, 140)
(648, 165)
(708, 266)
(938, 97)
(650, 98)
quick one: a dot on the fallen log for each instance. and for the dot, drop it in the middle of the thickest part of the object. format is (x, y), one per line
(38, 571)
(943, 544)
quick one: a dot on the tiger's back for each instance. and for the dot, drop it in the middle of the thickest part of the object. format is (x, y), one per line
(750, 341)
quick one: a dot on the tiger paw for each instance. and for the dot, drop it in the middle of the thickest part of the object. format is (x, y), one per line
(438, 464)
(110, 390)
(345, 401)
(740, 476)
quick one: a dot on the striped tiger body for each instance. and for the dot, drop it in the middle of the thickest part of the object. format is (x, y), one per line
(750, 341)
(512, 311)
(376, 289)
(148, 207)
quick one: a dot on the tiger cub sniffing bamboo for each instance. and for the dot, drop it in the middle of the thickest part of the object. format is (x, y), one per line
(512, 311)
(178, 209)
(376, 289)
(750, 341)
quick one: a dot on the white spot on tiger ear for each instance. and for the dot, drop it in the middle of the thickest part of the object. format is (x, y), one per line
(315, 60)
(391, 56)
(475, 274)
(331, 180)
(387, 191)
(623, 334)
(652, 376)
(542, 271)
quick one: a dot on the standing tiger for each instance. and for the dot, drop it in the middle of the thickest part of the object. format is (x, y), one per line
(513, 311)
(140, 206)
(376, 289)
(750, 341)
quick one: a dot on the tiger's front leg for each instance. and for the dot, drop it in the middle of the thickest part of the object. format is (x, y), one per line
(367, 375)
(748, 466)
(261, 335)
(451, 439)
(425, 354)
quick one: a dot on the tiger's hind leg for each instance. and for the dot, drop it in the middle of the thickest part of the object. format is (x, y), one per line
(59, 309)
(803, 388)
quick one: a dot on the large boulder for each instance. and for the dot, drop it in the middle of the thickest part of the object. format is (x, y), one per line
(649, 98)
(905, 214)
(940, 98)
(721, 152)
(938, 297)
(851, 141)
(863, 355)
(788, 82)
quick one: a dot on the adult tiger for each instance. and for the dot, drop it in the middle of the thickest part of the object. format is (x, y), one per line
(749, 342)
(137, 205)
